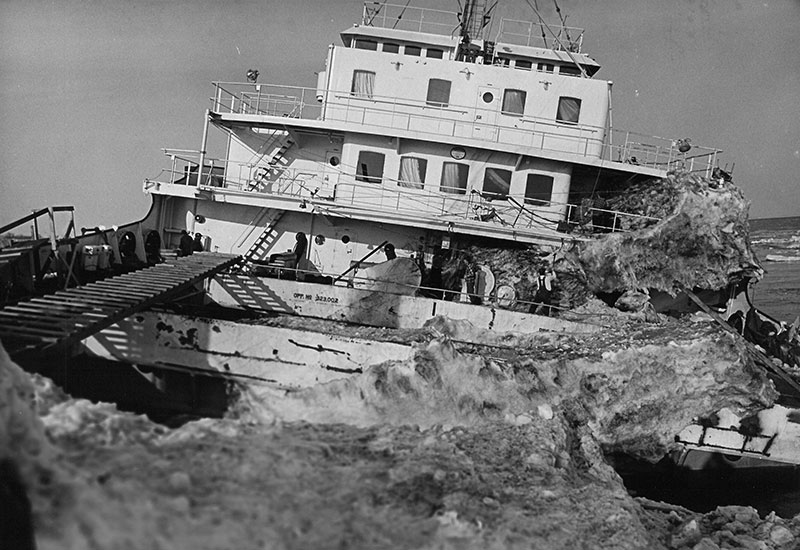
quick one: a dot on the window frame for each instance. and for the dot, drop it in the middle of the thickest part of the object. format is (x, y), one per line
(434, 101)
(506, 181)
(439, 51)
(408, 184)
(508, 112)
(533, 200)
(359, 40)
(390, 44)
(366, 177)
(559, 119)
(463, 167)
(413, 47)
(368, 94)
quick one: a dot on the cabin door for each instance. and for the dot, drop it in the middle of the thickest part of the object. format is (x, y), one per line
(486, 108)
(330, 174)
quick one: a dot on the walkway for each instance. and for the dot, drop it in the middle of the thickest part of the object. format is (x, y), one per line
(67, 317)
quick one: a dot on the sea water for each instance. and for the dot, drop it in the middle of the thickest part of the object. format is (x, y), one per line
(776, 242)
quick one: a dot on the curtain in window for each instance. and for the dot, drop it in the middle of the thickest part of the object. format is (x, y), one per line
(363, 83)
(514, 102)
(412, 172)
(569, 109)
(454, 178)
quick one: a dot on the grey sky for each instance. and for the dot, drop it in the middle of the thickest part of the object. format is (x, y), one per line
(92, 90)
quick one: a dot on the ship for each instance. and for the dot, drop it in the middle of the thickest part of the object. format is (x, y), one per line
(369, 198)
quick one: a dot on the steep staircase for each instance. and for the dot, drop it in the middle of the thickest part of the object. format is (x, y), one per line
(258, 250)
(275, 149)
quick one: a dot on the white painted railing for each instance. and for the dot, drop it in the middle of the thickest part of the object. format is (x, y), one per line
(460, 121)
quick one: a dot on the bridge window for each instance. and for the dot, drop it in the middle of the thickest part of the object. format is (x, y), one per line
(412, 50)
(538, 190)
(435, 53)
(545, 67)
(497, 182)
(363, 83)
(412, 172)
(365, 44)
(438, 92)
(513, 102)
(569, 70)
(454, 178)
(569, 109)
(370, 167)
(389, 47)
(523, 64)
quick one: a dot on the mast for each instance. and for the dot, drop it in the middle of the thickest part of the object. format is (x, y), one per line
(473, 19)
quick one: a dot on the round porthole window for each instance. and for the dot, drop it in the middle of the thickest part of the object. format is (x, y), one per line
(488, 97)
(346, 239)
(334, 161)
(319, 239)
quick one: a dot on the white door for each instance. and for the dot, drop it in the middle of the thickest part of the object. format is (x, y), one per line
(487, 105)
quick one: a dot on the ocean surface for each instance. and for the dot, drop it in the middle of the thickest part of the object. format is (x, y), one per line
(776, 242)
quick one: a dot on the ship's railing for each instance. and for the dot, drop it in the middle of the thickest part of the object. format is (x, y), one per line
(409, 18)
(322, 189)
(528, 33)
(459, 121)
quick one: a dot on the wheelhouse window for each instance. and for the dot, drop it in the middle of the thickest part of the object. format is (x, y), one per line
(454, 178)
(438, 92)
(545, 67)
(523, 64)
(412, 50)
(365, 44)
(513, 102)
(497, 182)
(370, 167)
(412, 172)
(569, 70)
(390, 47)
(538, 190)
(363, 83)
(569, 110)
(434, 53)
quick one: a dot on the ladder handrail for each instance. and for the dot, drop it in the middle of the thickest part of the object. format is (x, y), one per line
(34, 216)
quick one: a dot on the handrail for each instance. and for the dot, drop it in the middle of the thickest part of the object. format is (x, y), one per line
(35, 215)
(455, 120)
(357, 263)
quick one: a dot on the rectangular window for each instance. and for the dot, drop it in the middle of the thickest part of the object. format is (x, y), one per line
(435, 53)
(364, 44)
(538, 190)
(523, 64)
(454, 178)
(569, 70)
(363, 83)
(412, 172)
(370, 167)
(438, 92)
(513, 102)
(497, 182)
(413, 50)
(569, 109)
(388, 47)
(545, 67)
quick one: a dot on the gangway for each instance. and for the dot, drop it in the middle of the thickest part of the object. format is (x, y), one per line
(66, 317)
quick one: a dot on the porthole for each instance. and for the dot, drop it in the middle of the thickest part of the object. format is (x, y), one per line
(346, 239)
(319, 239)
(488, 97)
(334, 161)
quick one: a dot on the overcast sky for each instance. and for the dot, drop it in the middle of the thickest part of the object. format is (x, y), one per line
(91, 90)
